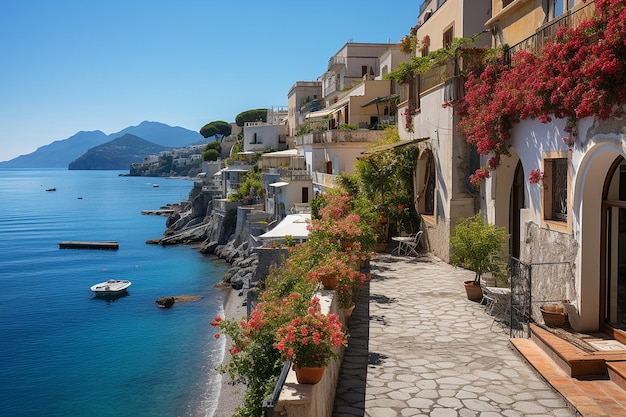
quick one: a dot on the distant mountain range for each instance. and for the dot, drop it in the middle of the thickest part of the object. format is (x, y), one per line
(117, 154)
(60, 153)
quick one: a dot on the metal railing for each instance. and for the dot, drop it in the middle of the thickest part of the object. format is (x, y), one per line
(522, 298)
(268, 404)
(547, 33)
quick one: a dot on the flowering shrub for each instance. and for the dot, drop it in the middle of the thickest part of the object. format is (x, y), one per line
(408, 120)
(535, 176)
(337, 222)
(571, 78)
(311, 340)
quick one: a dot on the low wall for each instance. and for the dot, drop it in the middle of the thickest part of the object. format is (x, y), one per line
(303, 400)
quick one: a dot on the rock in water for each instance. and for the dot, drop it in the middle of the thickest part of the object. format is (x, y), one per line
(165, 302)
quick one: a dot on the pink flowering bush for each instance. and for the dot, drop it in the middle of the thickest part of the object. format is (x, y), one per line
(311, 340)
(535, 176)
(581, 74)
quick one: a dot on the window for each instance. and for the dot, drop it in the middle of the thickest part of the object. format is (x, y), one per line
(555, 193)
(363, 70)
(448, 37)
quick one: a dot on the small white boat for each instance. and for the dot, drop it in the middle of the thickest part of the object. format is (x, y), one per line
(110, 287)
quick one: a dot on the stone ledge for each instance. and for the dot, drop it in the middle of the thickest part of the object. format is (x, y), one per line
(303, 400)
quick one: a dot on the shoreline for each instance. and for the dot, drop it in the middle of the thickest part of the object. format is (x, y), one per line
(230, 396)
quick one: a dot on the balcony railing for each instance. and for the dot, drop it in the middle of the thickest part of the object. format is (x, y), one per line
(340, 136)
(547, 33)
(336, 62)
(325, 180)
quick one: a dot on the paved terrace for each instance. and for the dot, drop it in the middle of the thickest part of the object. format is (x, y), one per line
(420, 348)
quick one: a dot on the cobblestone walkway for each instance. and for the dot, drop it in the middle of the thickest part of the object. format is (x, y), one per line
(420, 348)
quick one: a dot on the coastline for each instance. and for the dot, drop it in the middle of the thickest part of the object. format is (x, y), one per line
(230, 396)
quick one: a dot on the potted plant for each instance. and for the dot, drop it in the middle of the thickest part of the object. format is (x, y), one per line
(310, 342)
(330, 269)
(476, 245)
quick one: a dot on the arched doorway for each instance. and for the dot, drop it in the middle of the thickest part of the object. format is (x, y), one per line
(516, 203)
(613, 246)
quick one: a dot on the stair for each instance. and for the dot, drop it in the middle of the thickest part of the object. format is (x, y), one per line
(593, 383)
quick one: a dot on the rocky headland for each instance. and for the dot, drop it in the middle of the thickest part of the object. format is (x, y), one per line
(222, 232)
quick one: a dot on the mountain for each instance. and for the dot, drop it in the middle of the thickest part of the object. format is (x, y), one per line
(117, 154)
(60, 153)
(162, 134)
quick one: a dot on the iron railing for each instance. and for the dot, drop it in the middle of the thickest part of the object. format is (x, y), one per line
(269, 403)
(547, 33)
(523, 299)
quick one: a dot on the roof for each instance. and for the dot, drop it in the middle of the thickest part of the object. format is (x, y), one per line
(295, 225)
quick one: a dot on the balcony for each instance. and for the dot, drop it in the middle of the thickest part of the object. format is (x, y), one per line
(325, 180)
(335, 63)
(340, 136)
(547, 33)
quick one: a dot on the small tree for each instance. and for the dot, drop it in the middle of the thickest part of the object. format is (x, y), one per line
(256, 115)
(218, 128)
(477, 245)
(211, 155)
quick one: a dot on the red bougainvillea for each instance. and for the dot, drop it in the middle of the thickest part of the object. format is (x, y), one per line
(581, 74)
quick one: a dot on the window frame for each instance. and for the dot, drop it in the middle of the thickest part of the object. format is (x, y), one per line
(553, 162)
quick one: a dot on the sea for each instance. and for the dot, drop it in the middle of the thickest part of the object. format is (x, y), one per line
(64, 352)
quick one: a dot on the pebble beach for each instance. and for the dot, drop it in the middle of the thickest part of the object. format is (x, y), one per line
(231, 396)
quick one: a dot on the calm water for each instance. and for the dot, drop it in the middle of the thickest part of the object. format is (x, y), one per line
(65, 353)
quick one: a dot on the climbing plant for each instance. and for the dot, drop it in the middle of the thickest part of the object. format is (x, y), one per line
(581, 74)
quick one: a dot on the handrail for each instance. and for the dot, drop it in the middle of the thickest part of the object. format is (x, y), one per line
(268, 404)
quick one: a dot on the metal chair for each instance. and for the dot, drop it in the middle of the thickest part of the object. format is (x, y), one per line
(410, 247)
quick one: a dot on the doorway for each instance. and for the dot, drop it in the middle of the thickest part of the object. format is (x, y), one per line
(613, 278)
(516, 204)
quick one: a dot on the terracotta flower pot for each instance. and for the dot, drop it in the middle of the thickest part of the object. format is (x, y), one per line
(380, 247)
(307, 375)
(330, 282)
(347, 312)
(474, 291)
(346, 245)
(553, 315)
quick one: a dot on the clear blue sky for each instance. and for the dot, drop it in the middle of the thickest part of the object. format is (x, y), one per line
(67, 66)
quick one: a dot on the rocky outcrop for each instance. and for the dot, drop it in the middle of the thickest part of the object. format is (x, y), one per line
(169, 301)
(220, 233)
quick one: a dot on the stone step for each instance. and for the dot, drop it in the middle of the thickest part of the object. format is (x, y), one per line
(591, 397)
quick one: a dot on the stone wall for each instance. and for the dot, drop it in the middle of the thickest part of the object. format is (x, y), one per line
(552, 258)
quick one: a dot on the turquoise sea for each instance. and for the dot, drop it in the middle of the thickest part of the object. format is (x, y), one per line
(64, 352)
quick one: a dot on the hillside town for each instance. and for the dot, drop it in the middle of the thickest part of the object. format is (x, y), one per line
(509, 109)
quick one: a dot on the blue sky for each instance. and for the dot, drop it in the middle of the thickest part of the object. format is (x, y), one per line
(68, 66)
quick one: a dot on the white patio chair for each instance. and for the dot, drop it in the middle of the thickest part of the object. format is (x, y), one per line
(410, 246)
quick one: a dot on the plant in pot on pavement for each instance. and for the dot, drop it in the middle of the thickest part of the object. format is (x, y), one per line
(310, 341)
(476, 245)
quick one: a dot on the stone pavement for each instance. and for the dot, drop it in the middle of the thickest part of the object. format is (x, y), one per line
(420, 348)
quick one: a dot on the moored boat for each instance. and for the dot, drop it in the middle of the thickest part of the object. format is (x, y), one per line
(110, 287)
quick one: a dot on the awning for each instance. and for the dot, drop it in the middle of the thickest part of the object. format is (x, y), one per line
(295, 225)
(383, 99)
(287, 152)
(279, 184)
(338, 106)
(319, 113)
